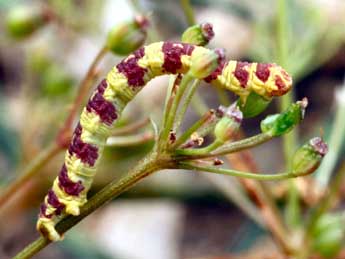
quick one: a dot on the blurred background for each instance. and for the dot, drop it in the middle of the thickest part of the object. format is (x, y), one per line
(171, 214)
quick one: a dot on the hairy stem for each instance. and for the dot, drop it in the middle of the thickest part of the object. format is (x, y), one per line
(143, 169)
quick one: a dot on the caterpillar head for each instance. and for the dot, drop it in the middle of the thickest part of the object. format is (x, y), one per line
(279, 81)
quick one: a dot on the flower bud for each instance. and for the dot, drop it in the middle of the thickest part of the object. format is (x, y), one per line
(127, 37)
(203, 63)
(254, 105)
(22, 21)
(308, 157)
(279, 124)
(228, 124)
(199, 34)
(328, 235)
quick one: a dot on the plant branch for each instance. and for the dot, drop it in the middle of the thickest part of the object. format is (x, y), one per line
(143, 169)
(231, 172)
(188, 12)
(186, 103)
(130, 140)
(227, 148)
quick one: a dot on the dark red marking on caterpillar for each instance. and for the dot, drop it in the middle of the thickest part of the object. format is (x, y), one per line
(68, 185)
(105, 109)
(86, 152)
(172, 55)
(130, 68)
(263, 71)
(241, 74)
(43, 210)
(54, 201)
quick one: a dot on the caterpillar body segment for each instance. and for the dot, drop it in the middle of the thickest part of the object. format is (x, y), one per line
(120, 86)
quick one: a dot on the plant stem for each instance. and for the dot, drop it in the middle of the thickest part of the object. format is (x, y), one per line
(174, 81)
(230, 172)
(200, 151)
(131, 140)
(130, 127)
(171, 113)
(185, 136)
(188, 12)
(289, 139)
(186, 103)
(63, 136)
(143, 169)
(34, 166)
(229, 148)
(336, 142)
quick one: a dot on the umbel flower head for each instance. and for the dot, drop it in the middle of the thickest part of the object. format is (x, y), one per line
(125, 38)
(228, 124)
(308, 157)
(199, 34)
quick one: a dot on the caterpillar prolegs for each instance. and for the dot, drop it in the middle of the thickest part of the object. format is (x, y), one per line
(122, 83)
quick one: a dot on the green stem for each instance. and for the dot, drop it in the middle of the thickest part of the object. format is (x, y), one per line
(289, 139)
(173, 81)
(131, 140)
(144, 168)
(188, 12)
(200, 151)
(185, 136)
(231, 147)
(32, 169)
(230, 172)
(173, 110)
(186, 103)
(336, 142)
(130, 127)
(198, 104)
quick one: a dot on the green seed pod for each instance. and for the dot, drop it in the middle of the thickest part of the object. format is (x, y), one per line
(255, 104)
(228, 124)
(308, 157)
(199, 34)
(23, 21)
(328, 235)
(127, 37)
(279, 124)
(203, 63)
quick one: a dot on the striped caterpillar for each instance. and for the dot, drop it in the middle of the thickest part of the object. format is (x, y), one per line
(123, 82)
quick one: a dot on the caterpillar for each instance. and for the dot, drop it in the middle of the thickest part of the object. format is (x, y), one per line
(122, 83)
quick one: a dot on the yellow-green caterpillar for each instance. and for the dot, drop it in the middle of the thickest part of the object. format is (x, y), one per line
(125, 80)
